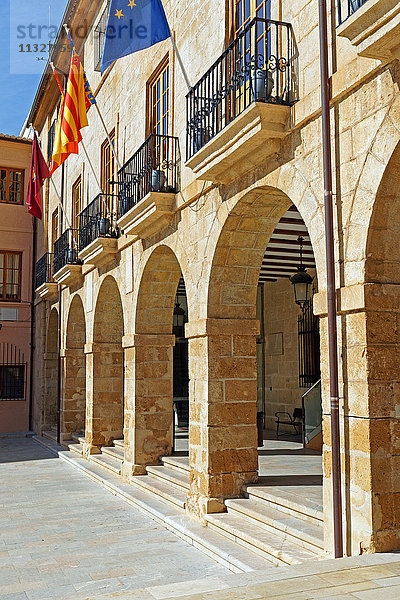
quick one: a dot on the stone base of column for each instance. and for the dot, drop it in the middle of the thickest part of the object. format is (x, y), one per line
(199, 506)
(89, 449)
(129, 469)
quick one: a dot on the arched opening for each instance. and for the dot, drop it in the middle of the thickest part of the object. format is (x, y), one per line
(157, 322)
(253, 369)
(74, 405)
(105, 411)
(51, 386)
(374, 389)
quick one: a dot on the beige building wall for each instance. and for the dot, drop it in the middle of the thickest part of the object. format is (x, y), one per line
(216, 236)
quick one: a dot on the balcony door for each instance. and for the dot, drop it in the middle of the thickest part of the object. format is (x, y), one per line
(158, 123)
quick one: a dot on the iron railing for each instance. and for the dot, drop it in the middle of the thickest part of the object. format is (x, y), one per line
(154, 167)
(260, 65)
(44, 270)
(66, 250)
(346, 8)
(98, 219)
(312, 412)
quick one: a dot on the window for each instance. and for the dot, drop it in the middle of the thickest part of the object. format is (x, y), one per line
(11, 185)
(12, 382)
(10, 275)
(246, 10)
(159, 101)
(99, 36)
(76, 202)
(54, 228)
(107, 165)
(50, 140)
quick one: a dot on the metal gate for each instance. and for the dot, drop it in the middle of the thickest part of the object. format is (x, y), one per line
(309, 350)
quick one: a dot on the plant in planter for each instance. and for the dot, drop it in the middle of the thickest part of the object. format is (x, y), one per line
(157, 180)
(104, 226)
(263, 85)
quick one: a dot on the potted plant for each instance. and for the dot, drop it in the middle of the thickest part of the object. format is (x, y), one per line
(157, 180)
(263, 85)
(104, 226)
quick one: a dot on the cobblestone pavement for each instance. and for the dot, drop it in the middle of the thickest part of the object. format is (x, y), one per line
(64, 536)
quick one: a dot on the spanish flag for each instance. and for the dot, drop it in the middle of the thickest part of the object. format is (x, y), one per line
(72, 117)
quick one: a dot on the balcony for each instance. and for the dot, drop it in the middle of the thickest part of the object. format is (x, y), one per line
(373, 26)
(238, 113)
(45, 287)
(98, 231)
(66, 264)
(147, 185)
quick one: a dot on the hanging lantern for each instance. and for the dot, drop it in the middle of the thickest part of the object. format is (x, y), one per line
(179, 320)
(301, 281)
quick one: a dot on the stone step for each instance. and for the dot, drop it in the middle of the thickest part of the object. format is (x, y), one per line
(112, 464)
(164, 490)
(276, 548)
(180, 463)
(78, 437)
(50, 434)
(175, 478)
(119, 443)
(71, 445)
(301, 532)
(286, 502)
(114, 451)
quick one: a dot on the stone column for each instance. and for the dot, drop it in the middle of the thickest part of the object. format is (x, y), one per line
(50, 360)
(149, 400)
(105, 401)
(223, 411)
(74, 396)
(369, 343)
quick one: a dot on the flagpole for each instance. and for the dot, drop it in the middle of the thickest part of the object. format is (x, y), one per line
(97, 107)
(84, 149)
(182, 66)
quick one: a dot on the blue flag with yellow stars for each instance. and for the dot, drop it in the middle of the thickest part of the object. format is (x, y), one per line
(133, 25)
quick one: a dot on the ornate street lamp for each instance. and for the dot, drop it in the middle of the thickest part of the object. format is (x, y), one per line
(301, 281)
(179, 320)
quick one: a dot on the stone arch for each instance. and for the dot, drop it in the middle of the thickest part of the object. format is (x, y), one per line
(224, 374)
(74, 401)
(374, 425)
(150, 360)
(51, 373)
(382, 149)
(105, 399)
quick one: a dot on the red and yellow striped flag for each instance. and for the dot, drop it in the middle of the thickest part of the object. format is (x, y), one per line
(72, 117)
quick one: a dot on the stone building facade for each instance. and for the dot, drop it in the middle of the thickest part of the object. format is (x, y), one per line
(245, 153)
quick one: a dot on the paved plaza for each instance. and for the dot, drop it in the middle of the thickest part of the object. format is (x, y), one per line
(64, 536)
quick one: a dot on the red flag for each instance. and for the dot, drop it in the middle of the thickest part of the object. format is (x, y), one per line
(38, 173)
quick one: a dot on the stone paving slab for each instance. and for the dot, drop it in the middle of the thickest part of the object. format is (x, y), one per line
(65, 537)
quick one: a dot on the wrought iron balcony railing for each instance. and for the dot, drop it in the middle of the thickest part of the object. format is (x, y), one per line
(346, 8)
(44, 270)
(66, 250)
(98, 219)
(154, 167)
(260, 65)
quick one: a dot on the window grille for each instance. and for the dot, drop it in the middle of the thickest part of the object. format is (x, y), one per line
(309, 350)
(99, 37)
(12, 373)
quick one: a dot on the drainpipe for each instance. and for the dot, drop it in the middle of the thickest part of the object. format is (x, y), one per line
(331, 284)
(32, 349)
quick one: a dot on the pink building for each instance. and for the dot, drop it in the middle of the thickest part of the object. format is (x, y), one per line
(16, 250)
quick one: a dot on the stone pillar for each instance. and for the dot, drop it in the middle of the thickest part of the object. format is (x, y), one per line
(369, 345)
(149, 400)
(74, 396)
(50, 360)
(105, 398)
(222, 412)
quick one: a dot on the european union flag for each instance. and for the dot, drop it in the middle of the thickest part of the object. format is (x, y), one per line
(133, 25)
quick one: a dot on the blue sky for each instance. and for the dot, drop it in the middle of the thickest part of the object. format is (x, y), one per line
(17, 91)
